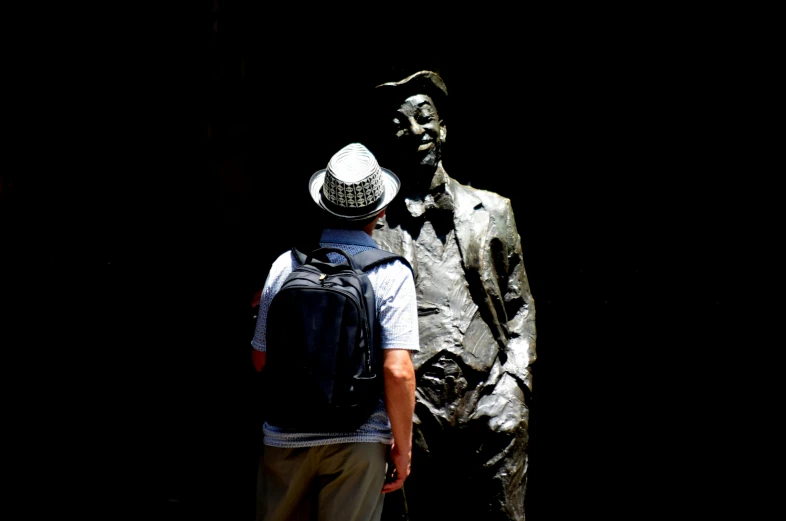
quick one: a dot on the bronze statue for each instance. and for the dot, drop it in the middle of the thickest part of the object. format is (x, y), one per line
(476, 318)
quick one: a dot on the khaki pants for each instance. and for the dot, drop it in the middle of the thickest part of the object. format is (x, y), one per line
(341, 482)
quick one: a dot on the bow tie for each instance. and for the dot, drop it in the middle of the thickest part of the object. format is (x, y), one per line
(429, 204)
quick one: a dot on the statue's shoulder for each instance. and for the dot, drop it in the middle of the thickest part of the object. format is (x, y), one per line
(492, 202)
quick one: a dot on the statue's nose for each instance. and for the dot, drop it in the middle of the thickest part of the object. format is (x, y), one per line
(415, 127)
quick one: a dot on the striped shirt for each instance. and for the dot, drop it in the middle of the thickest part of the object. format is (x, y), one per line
(394, 290)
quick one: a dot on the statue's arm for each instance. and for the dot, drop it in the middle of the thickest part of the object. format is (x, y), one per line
(518, 286)
(517, 297)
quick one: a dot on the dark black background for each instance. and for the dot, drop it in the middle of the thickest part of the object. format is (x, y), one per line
(156, 179)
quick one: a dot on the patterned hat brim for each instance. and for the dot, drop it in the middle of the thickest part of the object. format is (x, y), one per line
(389, 180)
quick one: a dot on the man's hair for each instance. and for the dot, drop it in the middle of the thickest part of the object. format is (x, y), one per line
(392, 94)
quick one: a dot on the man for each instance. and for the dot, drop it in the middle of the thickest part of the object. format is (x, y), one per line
(340, 476)
(476, 316)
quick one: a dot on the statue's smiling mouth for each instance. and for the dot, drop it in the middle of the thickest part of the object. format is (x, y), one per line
(426, 145)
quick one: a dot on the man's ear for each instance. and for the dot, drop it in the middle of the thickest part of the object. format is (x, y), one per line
(369, 228)
(443, 132)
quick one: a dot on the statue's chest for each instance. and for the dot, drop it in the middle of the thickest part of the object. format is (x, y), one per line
(440, 280)
(437, 255)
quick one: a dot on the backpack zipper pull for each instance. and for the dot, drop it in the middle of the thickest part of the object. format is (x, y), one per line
(322, 277)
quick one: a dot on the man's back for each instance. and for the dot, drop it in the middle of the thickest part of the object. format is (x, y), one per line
(396, 313)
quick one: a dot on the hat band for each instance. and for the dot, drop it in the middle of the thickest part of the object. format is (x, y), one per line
(352, 210)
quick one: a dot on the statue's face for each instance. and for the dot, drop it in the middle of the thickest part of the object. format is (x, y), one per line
(418, 132)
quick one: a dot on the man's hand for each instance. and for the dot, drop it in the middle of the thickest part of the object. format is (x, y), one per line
(399, 459)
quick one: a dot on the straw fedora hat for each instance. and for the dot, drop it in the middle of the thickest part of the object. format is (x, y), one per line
(353, 186)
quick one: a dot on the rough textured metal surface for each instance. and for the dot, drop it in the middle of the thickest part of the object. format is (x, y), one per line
(476, 324)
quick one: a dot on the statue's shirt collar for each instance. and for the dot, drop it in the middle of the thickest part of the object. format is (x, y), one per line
(438, 197)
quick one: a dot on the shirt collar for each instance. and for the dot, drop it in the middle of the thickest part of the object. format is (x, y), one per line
(358, 237)
(439, 196)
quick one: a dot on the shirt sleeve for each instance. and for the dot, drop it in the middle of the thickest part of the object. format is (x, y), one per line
(281, 268)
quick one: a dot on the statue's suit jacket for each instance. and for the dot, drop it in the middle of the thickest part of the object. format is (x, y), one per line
(491, 255)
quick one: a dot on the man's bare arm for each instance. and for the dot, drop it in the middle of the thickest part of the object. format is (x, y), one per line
(400, 402)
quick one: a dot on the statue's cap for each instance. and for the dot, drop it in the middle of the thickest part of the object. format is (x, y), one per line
(421, 82)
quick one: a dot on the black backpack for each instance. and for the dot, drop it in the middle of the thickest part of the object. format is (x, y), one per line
(324, 361)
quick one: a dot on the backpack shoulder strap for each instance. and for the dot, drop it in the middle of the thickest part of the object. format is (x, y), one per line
(301, 257)
(316, 253)
(368, 259)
